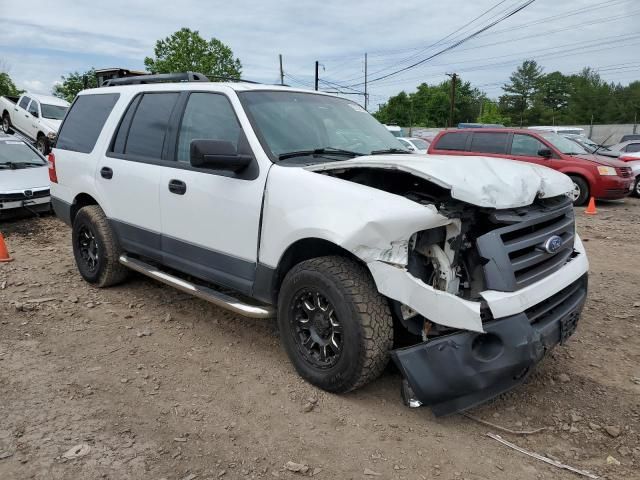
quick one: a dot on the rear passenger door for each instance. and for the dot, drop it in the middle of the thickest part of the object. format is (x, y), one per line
(210, 219)
(128, 177)
(526, 147)
(490, 144)
(20, 115)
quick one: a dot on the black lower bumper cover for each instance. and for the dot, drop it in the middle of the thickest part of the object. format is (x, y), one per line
(459, 371)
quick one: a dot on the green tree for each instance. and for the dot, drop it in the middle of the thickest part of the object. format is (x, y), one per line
(73, 83)
(186, 50)
(491, 114)
(7, 87)
(520, 91)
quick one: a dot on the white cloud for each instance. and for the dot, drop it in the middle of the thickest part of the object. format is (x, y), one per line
(78, 35)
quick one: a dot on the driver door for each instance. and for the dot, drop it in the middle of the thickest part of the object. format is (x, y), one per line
(525, 148)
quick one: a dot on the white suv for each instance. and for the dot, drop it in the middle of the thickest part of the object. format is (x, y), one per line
(465, 273)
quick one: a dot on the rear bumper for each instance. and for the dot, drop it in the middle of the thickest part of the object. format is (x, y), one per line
(459, 371)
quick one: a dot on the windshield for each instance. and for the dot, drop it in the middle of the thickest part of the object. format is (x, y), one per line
(18, 153)
(563, 144)
(290, 122)
(53, 112)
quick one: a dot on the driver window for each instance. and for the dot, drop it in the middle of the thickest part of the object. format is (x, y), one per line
(33, 108)
(207, 116)
(526, 145)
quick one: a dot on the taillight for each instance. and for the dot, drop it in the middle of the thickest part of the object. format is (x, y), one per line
(628, 158)
(53, 175)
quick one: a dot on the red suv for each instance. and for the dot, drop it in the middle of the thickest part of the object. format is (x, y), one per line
(592, 175)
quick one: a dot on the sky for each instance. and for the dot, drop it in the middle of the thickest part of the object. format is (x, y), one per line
(39, 44)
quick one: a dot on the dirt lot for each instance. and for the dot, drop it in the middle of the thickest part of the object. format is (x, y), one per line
(159, 385)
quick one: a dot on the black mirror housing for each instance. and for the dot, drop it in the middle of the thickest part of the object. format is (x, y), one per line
(217, 155)
(545, 152)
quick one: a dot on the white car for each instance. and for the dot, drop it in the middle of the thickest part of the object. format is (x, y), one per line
(560, 130)
(258, 191)
(632, 159)
(415, 145)
(38, 117)
(24, 181)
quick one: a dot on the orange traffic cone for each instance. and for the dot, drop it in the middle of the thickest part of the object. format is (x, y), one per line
(591, 208)
(4, 253)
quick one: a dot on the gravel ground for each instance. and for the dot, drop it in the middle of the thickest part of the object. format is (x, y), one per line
(141, 381)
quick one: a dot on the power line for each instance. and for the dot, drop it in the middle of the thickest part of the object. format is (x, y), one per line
(459, 42)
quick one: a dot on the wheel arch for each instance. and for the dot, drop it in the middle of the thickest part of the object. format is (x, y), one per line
(81, 200)
(268, 280)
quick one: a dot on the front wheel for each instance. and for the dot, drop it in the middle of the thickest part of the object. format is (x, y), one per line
(42, 144)
(96, 248)
(6, 124)
(580, 193)
(334, 325)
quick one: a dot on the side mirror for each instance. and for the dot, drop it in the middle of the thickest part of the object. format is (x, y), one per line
(35, 114)
(545, 152)
(217, 155)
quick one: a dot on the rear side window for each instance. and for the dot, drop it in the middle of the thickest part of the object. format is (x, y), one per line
(143, 130)
(452, 141)
(489, 142)
(24, 102)
(84, 121)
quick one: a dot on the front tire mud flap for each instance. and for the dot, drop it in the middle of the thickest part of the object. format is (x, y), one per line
(459, 371)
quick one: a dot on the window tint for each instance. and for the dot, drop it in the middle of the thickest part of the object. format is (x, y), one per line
(149, 125)
(83, 124)
(24, 102)
(526, 145)
(452, 141)
(489, 142)
(207, 116)
(33, 108)
(633, 147)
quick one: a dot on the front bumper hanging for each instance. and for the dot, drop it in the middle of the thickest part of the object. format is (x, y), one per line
(459, 371)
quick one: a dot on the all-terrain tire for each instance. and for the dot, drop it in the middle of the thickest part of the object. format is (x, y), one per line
(6, 124)
(584, 192)
(636, 187)
(91, 221)
(42, 144)
(363, 313)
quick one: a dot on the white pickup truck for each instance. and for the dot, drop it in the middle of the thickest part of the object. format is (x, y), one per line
(272, 201)
(38, 117)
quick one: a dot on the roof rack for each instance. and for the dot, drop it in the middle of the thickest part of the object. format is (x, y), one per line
(156, 78)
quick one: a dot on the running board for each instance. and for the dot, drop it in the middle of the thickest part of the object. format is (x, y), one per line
(217, 298)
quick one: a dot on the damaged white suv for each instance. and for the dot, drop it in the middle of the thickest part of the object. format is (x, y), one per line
(272, 201)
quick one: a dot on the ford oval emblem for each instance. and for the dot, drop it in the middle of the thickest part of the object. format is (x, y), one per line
(553, 244)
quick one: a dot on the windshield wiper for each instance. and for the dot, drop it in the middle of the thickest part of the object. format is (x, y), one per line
(388, 151)
(319, 151)
(16, 165)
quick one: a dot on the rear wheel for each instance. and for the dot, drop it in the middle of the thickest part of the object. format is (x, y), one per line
(334, 325)
(96, 248)
(580, 193)
(6, 124)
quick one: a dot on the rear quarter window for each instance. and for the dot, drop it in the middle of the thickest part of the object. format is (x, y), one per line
(452, 141)
(84, 121)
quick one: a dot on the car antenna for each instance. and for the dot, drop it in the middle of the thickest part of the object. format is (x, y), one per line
(595, 152)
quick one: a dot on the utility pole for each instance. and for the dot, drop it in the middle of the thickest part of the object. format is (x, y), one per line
(317, 65)
(454, 78)
(366, 95)
(281, 71)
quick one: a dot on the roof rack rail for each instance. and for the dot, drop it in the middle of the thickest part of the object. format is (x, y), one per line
(156, 78)
(232, 79)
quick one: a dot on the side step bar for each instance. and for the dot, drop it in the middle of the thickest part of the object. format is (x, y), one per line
(217, 298)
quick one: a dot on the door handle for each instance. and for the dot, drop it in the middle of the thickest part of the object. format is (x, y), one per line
(106, 172)
(177, 186)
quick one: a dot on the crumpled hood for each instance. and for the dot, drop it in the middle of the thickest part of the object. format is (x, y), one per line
(54, 125)
(24, 179)
(482, 181)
